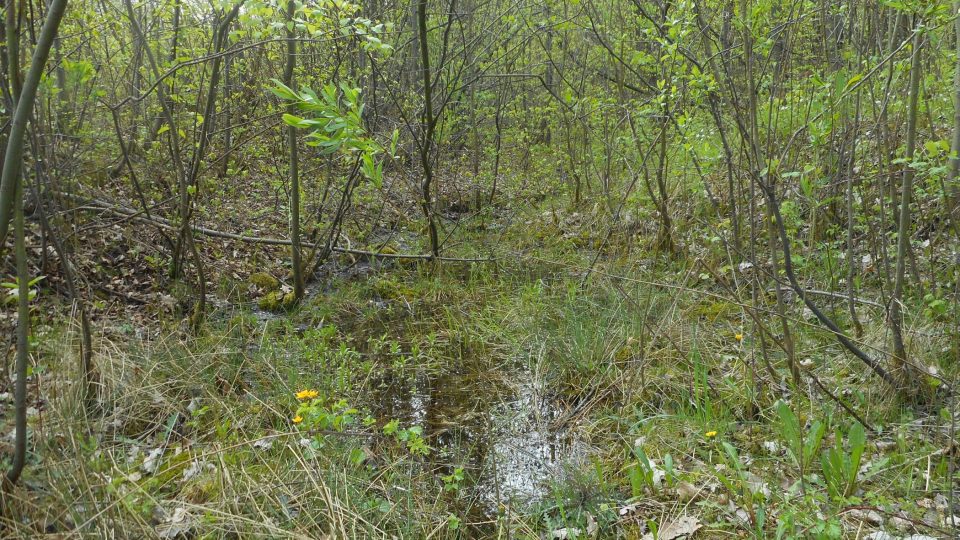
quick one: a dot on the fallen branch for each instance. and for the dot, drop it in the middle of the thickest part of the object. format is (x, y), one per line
(135, 215)
(829, 294)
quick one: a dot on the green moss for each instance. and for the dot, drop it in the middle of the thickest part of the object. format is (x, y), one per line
(391, 290)
(265, 281)
(201, 491)
(277, 301)
(169, 471)
(715, 310)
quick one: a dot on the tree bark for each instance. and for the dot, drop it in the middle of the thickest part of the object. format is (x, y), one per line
(428, 124)
(953, 187)
(907, 375)
(294, 175)
(13, 158)
(23, 348)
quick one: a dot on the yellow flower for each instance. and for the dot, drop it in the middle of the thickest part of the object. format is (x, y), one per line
(297, 419)
(710, 434)
(307, 394)
(738, 337)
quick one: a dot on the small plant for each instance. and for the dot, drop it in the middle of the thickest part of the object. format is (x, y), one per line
(670, 473)
(741, 489)
(705, 409)
(935, 308)
(643, 473)
(452, 481)
(411, 436)
(801, 449)
(314, 414)
(14, 289)
(840, 468)
(196, 416)
(826, 530)
(653, 528)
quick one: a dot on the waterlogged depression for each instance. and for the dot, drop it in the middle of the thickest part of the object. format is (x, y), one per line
(509, 436)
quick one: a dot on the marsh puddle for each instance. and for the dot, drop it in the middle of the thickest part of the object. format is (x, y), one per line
(509, 436)
(499, 423)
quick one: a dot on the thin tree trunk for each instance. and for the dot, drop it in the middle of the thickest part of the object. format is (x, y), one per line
(171, 58)
(88, 389)
(174, 132)
(953, 187)
(851, 217)
(11, 200)
(13, 158)
(295, 248)
(665, 236)
(548, 75)
(13, 50)
(428, 127)
(228, 116)
(714, 103)
(498, 140)
(907, 375)
(203, 142)
(753, 136)
(23, 347)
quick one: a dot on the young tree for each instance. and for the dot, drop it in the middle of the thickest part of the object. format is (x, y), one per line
(293, 158)
(11, 200)
(907, 373)
(428, 125)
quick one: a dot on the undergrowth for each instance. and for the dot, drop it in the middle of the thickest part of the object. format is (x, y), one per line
(375, 410)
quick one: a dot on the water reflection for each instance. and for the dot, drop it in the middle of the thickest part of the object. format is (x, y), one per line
(501, 428)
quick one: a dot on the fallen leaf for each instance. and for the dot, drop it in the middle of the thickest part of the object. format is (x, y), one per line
(592, 526)
(565, 533)
(152, 461)
(178, 525)
(870, 516)
(683, 527)
(901, 524)
(265, 443)
(658, 473)
(687, 491)
(193, 470)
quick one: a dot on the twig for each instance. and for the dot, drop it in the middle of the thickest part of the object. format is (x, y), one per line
(829, 294)
(840, 402)
(156, 220)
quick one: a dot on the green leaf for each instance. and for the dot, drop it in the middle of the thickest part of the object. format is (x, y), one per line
(853, 80)
(790, 429)
(296, 121)
(283, 91)
(394, 139)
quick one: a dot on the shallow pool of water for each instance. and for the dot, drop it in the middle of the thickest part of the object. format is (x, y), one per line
(511, 438)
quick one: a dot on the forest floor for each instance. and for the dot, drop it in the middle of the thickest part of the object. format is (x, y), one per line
(549, 393)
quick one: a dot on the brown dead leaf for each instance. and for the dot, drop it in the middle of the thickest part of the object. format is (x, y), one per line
(682, 527)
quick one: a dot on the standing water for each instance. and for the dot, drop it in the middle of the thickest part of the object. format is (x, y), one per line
(511, 438)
